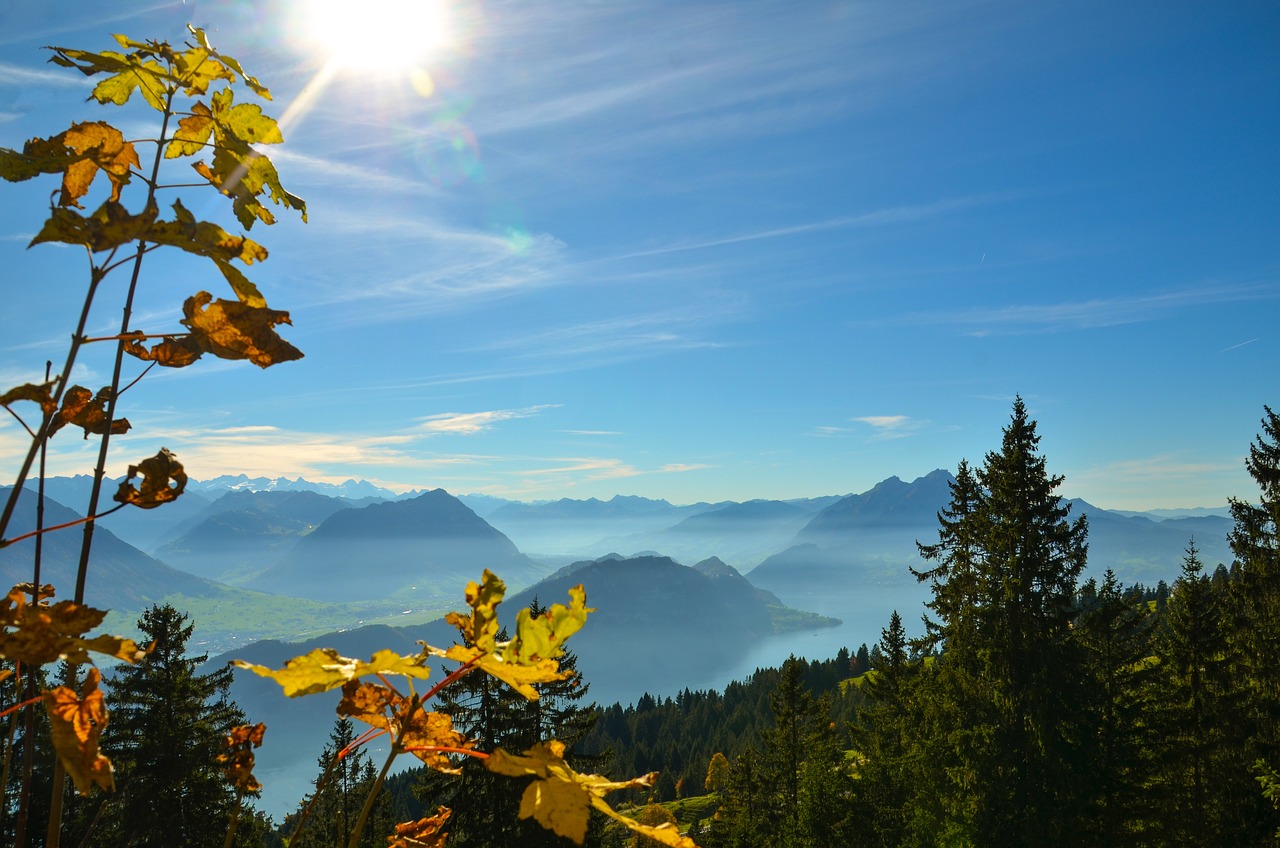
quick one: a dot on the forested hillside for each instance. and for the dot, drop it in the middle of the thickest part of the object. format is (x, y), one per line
(1034, 711)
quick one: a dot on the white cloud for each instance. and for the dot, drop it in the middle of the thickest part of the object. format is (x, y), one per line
(18, 75)
(681, 467)
(470, 423)
(891, 426)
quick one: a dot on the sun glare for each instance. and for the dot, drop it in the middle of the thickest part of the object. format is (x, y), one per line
(383, 36)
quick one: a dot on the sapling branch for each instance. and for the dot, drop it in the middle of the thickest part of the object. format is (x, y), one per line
(100, 471)
(142, 337)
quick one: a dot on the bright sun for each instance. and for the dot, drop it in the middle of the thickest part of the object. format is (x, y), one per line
(384, 36)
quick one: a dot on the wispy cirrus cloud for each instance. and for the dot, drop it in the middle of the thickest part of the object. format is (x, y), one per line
(471, 423)
(879, 217)
(19, 75)
(1084, 314)
(622, 336)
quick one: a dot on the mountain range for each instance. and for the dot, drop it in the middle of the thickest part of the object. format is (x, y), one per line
(682, 592)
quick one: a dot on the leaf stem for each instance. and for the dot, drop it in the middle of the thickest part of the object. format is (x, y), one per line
(4, 543)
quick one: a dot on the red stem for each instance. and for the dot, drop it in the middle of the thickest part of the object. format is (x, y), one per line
(6, 542)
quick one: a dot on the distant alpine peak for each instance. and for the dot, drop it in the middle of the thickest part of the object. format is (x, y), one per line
(244, 483)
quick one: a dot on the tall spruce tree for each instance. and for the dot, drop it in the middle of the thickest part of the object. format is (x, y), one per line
(794, 789)
(168, 723)
(1008, 559)
(1114, 632)
(885, 739)
(1204, 784)
(1255, 603)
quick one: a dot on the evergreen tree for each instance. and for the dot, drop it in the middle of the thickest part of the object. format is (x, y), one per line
(885, 740)
(345, 778)
(1255, 603)
(1114, 631)
(795, 788)
(1208, 793)
(1007, 561)
(168, 723)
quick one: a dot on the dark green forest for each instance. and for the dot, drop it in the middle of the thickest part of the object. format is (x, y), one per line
(1037, 708)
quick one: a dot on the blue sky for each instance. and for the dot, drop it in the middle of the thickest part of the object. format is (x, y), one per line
(714, 251)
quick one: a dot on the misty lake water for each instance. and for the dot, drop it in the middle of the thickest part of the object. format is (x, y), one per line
(863, 613)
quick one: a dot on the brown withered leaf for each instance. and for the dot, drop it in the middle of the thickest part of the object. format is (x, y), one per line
(85, 409)
(49, 632)
(41, 394)
(171, 351)
(418, 731)
(110, 226)
(237, 762)
(233, 330)
(423, 833)
(76, 723)
(156, 473)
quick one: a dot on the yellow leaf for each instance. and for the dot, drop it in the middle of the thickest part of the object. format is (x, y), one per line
(543, 637)
(234, 330)
(560, 806)
(192, 134)
(243, 175)
(76, 723)
(517, 676)
(203, 40)
(198, 67)
(156, 473)
(324, 668)
(424, 730)
(559, 798)
(128, 72)
(423, 833)
(82, 408)
(481, 629)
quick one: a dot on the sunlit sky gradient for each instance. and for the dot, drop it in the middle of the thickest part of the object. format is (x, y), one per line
(714, 251)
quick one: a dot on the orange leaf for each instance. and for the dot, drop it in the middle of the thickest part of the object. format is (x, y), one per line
(76, 723)
(424, 833)
(45, 633)
(85, 409)
(237, 762)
